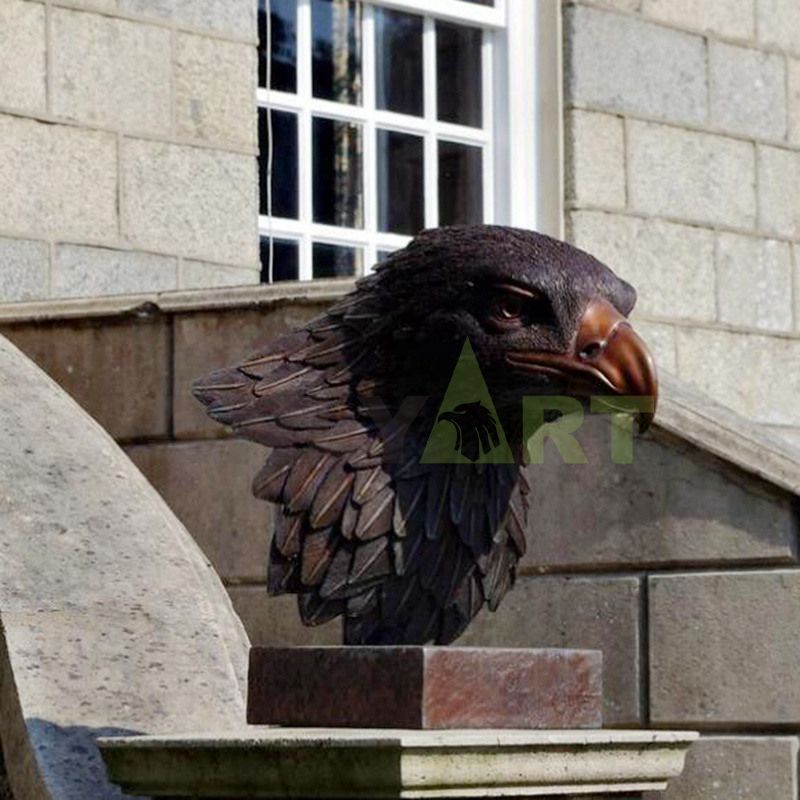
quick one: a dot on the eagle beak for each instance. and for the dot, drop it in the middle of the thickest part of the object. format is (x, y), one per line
(608, 357)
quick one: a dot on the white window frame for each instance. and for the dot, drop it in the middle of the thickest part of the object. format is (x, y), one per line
(520, 136)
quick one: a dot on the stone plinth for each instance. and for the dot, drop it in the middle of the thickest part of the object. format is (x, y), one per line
(343, 763)
(425, 687)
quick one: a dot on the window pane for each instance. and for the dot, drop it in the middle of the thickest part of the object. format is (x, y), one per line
(335, 261)
(481, 2)
(460, 184)
(336, 50)
(458, 74)
(284, 163)
(338, 193)
(398, 61)
(283, 38)
(285, 260)
(401, 182)
(383, 255)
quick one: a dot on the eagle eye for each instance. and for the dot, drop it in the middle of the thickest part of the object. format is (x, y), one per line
(512, 307)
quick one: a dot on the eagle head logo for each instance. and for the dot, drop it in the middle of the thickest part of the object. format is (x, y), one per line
(476, 429)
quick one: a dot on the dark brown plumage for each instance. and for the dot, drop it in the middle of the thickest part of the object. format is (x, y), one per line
(409, 552)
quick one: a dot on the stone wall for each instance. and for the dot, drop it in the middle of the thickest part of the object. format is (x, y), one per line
(683, 173)
(127, 146)
(683, 567)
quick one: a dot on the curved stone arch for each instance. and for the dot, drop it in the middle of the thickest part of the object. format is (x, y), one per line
(113, 620)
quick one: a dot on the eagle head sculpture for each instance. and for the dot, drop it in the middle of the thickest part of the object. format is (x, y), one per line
(407, 551)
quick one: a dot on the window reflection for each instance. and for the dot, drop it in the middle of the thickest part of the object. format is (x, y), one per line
(284, 163)
(458, 74)
(401, 183)
(398, 62)
(335, 261)
(336, 50)
(285, 260)
(283, 40)
(337, 154)
(460, 184)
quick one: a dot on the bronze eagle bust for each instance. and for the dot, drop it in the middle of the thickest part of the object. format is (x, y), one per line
(405, 551)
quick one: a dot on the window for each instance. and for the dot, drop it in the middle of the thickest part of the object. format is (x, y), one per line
(377, 119)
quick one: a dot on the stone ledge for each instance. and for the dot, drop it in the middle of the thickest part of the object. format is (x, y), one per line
(338, 762)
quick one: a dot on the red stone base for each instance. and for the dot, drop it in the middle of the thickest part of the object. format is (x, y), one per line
(424, 687)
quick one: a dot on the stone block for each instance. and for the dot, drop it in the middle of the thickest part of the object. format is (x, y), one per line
(722, 651)
(595, 162)
(24, 270)
(736, 768)
(202, 275)
(235, 18)
(118, 371)
(57, 180)
(196, 201)
(671, 266)
(748, 90)
(779, 191)
(671, 505)
(761, 382)
(778, 24)
(22, 56)
(694, 176)
(425, 688)
(730, 18)
(207, 485)
(661, 341)
(276, 621)
(640, 68)
(215, 83)
(754, 279)
(111, 72)
(91, 271)
(574, 612)
(793, 98)
(210, 340)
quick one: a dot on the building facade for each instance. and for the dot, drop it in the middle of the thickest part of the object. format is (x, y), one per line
(182, 178)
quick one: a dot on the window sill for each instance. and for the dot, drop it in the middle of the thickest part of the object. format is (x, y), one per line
(317, 291)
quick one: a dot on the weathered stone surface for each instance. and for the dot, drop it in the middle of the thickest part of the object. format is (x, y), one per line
(232, 18)
(721, 651)
(425, 687)
(298, 762)
(215, 83)
(748, 90)
(733, 18)
(736, 768)
(640, 67)
(111, 619)
(672, 505)
(92, 271)
(754, 279)
(694, 176)
(197, 201)
(793, 98)
(22, 56)
(661, 341)
(275, 621)
(209, 340)
(207, 485)
(574, 612)
(671, 266)
(769, 393)
(202, 275)
(779, 24)
(118, 372)
(111, 72)
(57, 180)
(24, 269)
(779, 191)
(595, 158)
